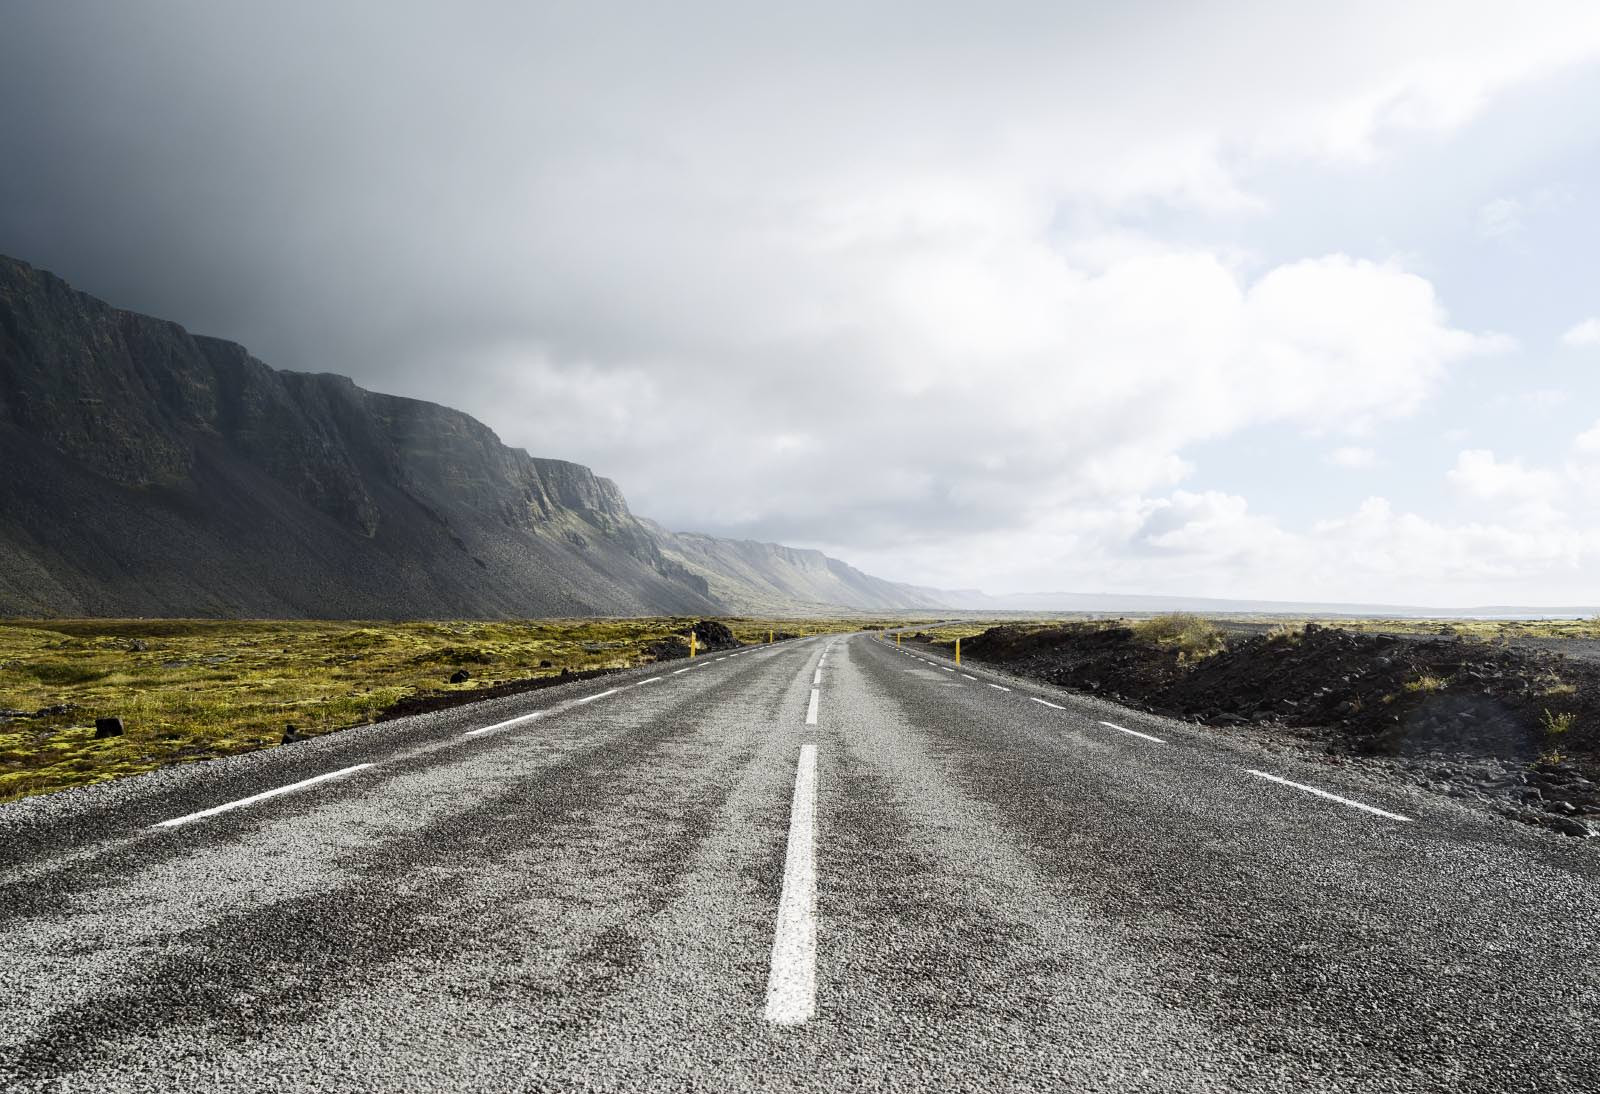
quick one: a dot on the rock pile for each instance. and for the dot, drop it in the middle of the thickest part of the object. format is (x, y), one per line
(1517, 728)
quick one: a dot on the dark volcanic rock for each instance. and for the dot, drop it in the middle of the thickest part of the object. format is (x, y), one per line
(1466, 718)
(107, 727)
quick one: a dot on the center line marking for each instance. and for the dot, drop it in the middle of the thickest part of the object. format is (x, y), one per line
(817, 676)
(997, 687)
(1325, 794)
(792, 982)
(964, 676)
(252, 799)
(602, 695)
(676, 671)
(648, 680)
(1045, 702)
(811, 711)
(1132, 732)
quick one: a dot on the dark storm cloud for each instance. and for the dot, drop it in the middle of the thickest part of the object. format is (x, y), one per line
(841, 274)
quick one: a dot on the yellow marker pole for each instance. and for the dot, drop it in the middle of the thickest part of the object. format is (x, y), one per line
(958, 651)
(897, 638)
(691, 643)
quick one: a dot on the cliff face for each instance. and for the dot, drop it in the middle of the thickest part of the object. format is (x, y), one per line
(152, 472)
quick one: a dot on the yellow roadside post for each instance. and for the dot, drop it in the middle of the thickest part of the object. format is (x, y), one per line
(958, 651)
(897, 638)
(691, 643)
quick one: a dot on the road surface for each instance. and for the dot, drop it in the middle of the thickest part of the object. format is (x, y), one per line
(823, 865)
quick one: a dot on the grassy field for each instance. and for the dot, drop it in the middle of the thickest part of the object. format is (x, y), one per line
(196, 689)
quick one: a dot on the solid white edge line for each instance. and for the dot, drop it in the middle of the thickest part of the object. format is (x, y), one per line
(1045, 702)
(592, 698)
(505, 724)
(263, 796)
(997, 687)
(811, 711)
(792, 981)
(1325, 794)
(1132, 732)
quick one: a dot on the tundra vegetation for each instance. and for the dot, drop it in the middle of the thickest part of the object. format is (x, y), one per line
(189, 690)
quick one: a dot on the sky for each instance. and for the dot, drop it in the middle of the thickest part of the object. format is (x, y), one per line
(1259, 300)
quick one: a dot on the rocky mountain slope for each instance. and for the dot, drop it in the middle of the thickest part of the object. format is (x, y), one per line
(756, 578)
(149, 471)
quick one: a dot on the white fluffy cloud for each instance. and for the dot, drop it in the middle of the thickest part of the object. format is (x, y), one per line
(1586, 333)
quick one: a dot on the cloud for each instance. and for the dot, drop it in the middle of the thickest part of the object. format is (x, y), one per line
(899, 286)
(1480, 475)
(1354, 458)
(1500, 217)
(1586, 333)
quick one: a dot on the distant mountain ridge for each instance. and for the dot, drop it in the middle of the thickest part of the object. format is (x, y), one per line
(761, 577)
(149, 471)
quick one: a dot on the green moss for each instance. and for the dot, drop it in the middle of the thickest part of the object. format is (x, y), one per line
(196, 689)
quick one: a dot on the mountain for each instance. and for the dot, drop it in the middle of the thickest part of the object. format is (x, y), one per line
(152, 472)
(755, 578)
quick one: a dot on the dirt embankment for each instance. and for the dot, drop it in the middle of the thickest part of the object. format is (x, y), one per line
(1514, 728)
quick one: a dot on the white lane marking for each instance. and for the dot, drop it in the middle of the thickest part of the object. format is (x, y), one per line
(1132, 732)
(252, 799)
(684, 669)
(947, 668)
(1045, 702)
(997, 687)
(792, 982)
(816, 677)
(719, 658)
(648, 680)
(592, 698)
(509, 722)
(811, 711)
(964, 676)
(1325, 794)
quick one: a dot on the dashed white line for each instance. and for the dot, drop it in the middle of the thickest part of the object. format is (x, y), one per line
(811, 711)
(592, 698)
(684, 669)
(252, 799)
(964, 676)
(792, 981)
(648, 680)
(997, 687)
(1330, 797)
(1132, 732)
(1046, 703)
(816, 677)
(947, 668)
(507, 724)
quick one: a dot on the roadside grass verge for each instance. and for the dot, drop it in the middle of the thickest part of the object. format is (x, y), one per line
(191, 690)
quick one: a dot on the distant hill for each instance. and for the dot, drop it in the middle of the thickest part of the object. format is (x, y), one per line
(974, 601)
(152, 472)
(764, 577)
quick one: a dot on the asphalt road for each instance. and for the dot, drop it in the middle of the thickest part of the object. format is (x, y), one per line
(762, 873)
